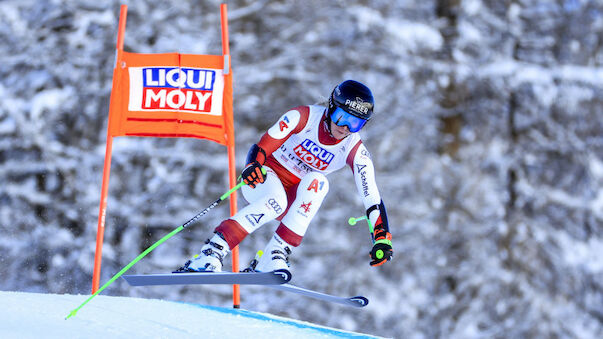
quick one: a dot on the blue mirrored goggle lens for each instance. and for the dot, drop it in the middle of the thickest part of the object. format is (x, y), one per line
(343, 118)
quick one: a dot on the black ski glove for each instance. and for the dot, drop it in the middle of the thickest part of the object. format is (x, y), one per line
(382, 250)
(253, 175)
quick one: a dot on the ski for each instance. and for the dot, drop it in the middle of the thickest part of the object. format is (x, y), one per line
(187, 278)
(358, 301)
(276, 279)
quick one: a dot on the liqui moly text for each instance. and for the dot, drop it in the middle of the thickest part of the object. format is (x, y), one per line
(190, 90)
(313, 155)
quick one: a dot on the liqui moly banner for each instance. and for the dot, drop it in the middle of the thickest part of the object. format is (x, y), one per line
(171, 95)
(174, 89)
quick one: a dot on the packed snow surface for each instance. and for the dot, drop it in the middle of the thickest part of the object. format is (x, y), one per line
(36, 315)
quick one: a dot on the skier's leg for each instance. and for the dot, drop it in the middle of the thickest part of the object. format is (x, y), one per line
(265, 201)
(311, 192)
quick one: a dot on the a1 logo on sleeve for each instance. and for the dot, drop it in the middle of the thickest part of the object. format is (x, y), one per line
(285, 125)
(191, 90)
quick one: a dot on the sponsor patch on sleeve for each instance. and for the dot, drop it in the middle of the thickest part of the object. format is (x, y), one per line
(287, 123)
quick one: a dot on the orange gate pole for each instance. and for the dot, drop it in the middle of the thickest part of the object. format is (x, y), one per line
(100, 233)
(228, 113)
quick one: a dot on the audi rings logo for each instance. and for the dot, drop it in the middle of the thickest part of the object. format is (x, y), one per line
(275, 206)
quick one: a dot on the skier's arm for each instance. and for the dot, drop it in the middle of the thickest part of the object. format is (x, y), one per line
(291, 122)
(364, 176)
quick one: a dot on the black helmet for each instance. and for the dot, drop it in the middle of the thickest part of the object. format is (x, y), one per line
(354, 98)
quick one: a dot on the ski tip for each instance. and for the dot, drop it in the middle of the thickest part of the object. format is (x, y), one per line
(284, 274)
(360, 301)
(128, 279)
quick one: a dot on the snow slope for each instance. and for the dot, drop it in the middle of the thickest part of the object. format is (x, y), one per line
(33, 315)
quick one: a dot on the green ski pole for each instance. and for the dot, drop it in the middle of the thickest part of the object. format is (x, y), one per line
(352, 221)
(159, 242)
(379, 254)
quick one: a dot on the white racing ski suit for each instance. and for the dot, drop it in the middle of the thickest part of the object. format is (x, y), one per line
(299, 153)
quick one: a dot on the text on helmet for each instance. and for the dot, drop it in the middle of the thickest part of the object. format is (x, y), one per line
(358, 105)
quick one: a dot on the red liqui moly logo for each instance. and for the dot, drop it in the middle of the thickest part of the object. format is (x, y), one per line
(313, 155)
(192, 90)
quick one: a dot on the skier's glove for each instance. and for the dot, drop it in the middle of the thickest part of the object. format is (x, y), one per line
(252, 174)
(382, 250)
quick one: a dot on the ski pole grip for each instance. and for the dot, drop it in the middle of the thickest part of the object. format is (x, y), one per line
(239, 185)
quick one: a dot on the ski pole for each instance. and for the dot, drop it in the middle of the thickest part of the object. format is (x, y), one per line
(352, 221)
(379, 254)
(159, 242)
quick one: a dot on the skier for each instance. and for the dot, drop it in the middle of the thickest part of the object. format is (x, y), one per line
(306, 144)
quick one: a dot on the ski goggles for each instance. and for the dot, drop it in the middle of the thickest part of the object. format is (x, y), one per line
(343, 118)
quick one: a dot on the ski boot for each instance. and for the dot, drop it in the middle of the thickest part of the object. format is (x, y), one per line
(210, 259)
(274, 257)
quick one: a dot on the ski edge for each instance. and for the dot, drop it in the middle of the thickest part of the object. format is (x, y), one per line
(277, 277)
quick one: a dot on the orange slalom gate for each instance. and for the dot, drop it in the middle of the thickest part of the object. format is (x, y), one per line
(170, 95)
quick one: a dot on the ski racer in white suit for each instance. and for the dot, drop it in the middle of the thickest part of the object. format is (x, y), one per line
(306, 144)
